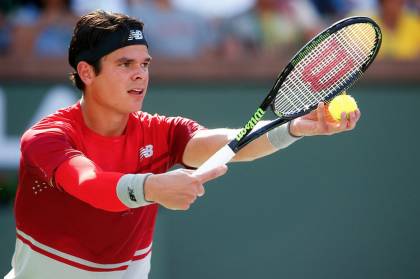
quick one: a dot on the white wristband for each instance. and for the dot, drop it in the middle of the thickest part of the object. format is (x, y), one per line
(130, 190)
(280, 137)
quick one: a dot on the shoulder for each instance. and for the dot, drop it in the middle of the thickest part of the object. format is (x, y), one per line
(61, 124)
(161, 123)
(158, 119)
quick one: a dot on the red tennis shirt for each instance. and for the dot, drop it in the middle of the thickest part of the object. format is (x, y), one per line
(61, 235)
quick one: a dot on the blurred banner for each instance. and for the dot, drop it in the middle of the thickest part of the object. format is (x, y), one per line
(344, 206)
(21, 107)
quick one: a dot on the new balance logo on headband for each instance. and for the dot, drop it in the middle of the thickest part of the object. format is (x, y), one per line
(110, 43)
(135, 35)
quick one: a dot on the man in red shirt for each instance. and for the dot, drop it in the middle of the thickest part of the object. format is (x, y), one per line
(92, 175)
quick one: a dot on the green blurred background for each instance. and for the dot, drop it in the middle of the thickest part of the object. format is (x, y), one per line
(345, 206)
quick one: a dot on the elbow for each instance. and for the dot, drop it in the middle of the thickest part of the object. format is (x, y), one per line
(239, 158)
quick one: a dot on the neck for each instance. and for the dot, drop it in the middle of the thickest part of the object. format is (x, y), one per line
(102, 120)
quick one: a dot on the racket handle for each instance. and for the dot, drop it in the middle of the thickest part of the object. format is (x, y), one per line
(221, 157)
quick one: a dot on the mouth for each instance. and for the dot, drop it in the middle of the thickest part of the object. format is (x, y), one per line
(135, 91)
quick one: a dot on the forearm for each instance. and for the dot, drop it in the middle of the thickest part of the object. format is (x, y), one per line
(113, 191)
(257, 149)
(204, 144)
(83, 180)
(274, 140)
(207, 142)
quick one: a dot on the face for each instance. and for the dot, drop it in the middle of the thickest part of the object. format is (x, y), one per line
(392, 8)
(121, 84)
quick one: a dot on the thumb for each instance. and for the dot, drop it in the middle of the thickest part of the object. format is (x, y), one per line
(212, 174)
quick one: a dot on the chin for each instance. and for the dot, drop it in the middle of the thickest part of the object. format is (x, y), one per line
(136, 108)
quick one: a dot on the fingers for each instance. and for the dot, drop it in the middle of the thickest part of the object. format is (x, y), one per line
(211, 174)
(324, 124)
(348, 122)
(188, 186)
(352, 119)
(207, 176)
(358, 114)
(343, 121)
(200, 190)
(320, 112)
(320, 122)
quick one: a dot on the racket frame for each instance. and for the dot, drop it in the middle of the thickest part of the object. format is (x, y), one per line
(246, 134)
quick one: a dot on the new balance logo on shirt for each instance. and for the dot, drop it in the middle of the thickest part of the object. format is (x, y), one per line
(146, 151)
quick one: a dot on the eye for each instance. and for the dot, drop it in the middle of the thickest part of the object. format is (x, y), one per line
(125, 64)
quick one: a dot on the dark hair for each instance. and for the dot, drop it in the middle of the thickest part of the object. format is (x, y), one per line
(91, 31)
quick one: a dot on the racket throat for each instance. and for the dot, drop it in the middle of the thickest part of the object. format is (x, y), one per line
(250, 124)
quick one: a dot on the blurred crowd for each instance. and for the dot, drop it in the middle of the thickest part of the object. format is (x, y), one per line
(188, 29)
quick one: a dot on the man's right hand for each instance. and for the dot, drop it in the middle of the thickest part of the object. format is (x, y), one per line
(178, 189)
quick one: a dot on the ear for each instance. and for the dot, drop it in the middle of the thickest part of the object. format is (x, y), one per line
(86, 72)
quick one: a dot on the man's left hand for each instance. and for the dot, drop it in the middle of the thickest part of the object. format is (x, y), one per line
(319, 122)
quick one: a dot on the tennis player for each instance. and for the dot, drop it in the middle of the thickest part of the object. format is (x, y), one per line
(93, 175)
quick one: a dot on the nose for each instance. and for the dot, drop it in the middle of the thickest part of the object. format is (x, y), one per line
(139, 73)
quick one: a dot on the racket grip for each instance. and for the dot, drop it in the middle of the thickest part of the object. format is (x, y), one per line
(221, 157)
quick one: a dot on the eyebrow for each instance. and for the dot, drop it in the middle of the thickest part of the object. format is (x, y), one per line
(130, 60)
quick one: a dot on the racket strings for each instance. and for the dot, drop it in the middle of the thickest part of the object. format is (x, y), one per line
(295, 98)
(353, 40)
(331, 66)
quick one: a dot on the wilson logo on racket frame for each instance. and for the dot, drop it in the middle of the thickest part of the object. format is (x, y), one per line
(251, 123)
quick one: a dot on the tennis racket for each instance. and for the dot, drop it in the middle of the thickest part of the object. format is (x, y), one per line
(327, 65)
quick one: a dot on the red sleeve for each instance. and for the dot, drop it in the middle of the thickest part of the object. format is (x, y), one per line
(46, 149)
(51, 152)
(180, 132)
(81, 178)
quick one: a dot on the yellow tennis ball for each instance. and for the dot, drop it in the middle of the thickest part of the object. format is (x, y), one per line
(342, 103)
